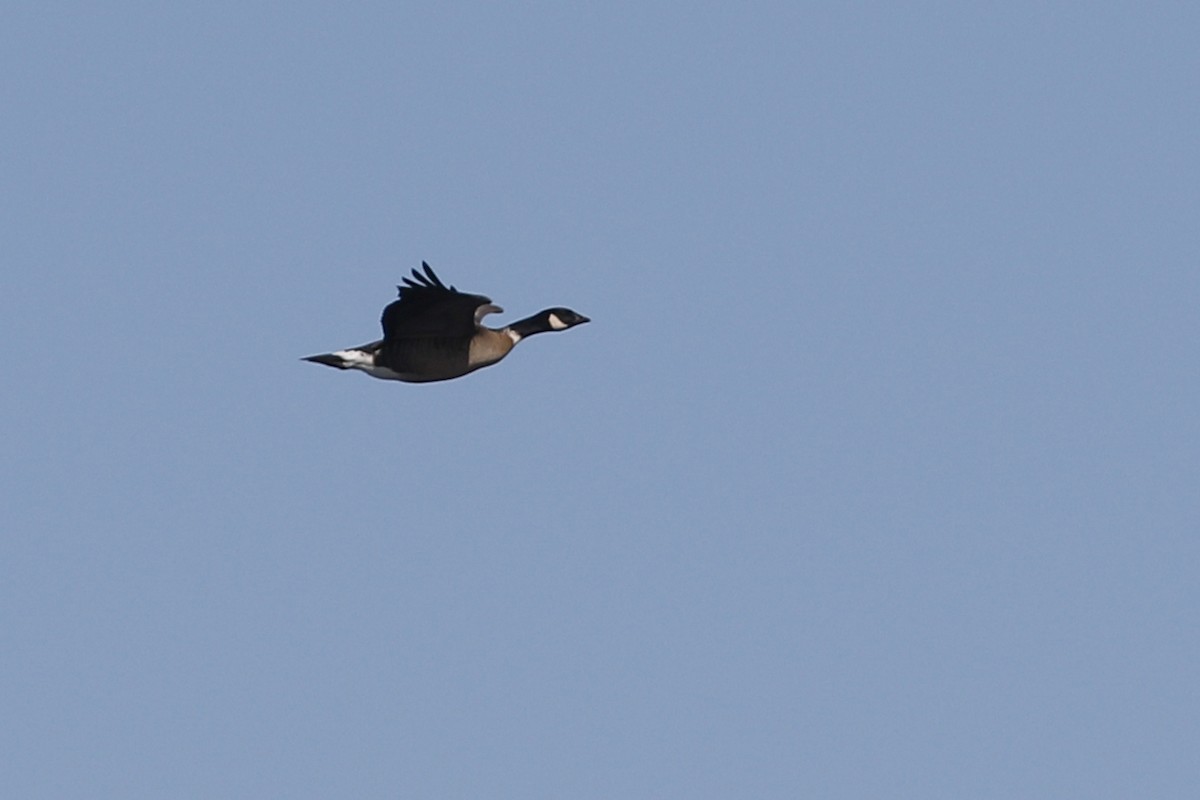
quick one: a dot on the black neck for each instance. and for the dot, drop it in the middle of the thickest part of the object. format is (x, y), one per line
(538, 323)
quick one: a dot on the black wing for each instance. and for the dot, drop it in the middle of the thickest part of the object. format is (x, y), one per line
(427, 307)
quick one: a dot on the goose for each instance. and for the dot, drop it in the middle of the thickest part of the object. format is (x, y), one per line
(436, 333)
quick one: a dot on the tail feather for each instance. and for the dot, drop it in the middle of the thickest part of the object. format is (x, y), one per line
(329, 360)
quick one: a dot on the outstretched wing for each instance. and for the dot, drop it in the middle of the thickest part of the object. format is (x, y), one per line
(427, 307)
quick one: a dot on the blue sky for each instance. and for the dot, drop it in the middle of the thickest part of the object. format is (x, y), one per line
(874, 475)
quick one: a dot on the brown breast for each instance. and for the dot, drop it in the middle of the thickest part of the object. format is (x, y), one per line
(487, 347)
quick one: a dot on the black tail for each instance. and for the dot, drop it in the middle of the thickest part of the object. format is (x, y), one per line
(328, 359)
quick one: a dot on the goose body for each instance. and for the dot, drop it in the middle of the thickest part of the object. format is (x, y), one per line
(434, 332)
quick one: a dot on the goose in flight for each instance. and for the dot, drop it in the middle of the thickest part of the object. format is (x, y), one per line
(435, 333)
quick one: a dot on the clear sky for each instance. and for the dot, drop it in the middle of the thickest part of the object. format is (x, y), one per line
(875, 474)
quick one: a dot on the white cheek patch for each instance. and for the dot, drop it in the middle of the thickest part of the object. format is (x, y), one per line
(556, 323)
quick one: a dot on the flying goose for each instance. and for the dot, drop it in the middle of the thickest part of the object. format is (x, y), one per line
(435, 333)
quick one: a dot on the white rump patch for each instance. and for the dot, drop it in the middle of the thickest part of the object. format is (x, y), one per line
(356, 359)
(556, 323)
